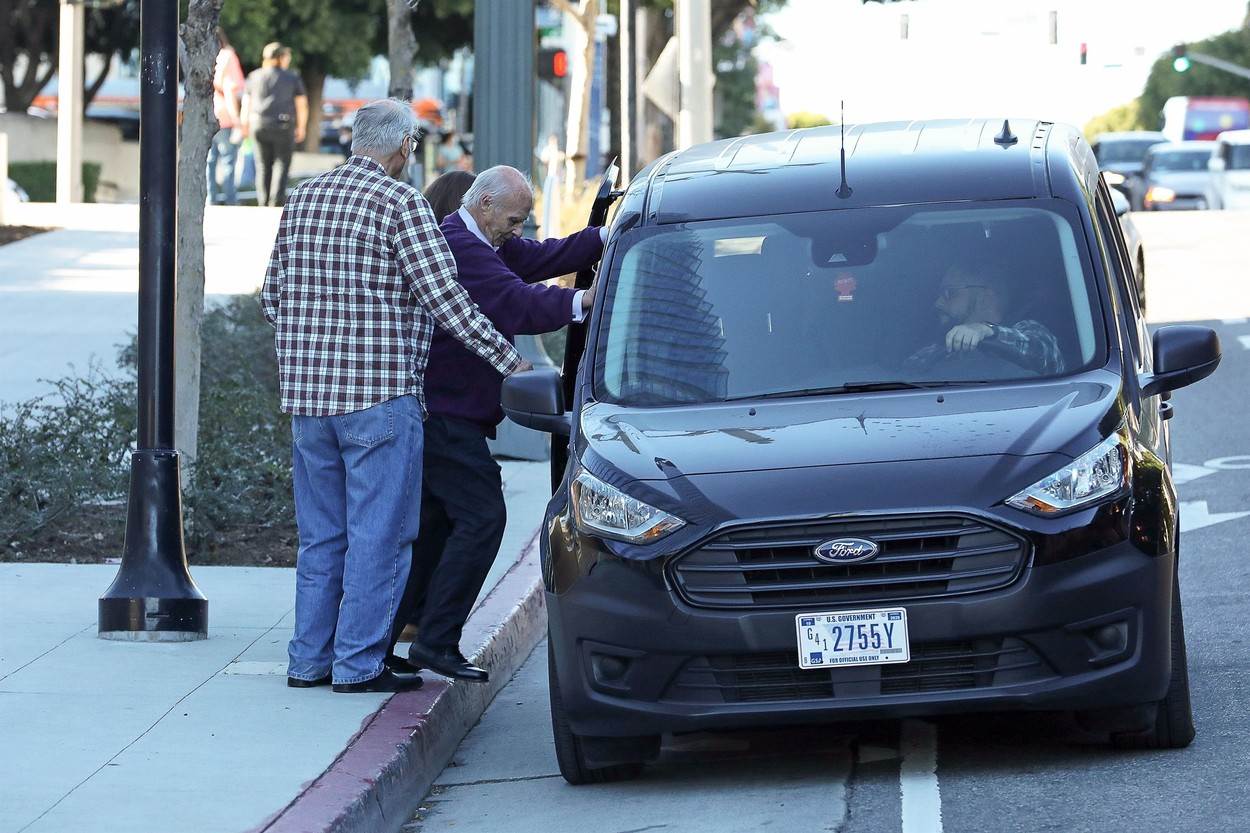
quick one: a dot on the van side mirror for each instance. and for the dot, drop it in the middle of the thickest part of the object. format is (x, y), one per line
(535, 399)
(1184, 354)
(1215, 164)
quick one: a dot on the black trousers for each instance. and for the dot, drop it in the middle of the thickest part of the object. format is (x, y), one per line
(274, 146)
(462, 522)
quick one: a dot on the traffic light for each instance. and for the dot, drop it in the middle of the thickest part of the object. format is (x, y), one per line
(553, 64)
(1180, 58)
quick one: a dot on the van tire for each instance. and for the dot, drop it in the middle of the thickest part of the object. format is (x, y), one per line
(1174, 717)
(569, 753)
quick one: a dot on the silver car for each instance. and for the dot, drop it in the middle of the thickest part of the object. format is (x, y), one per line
(1177, 176)
(1132, 241)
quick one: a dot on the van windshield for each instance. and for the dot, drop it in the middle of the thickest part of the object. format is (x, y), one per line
(827, 301)
(1238, 157)
(1123, 151)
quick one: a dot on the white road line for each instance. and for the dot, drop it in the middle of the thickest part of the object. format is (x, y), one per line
(1232, 321)
(918, 782)
(1245, 341)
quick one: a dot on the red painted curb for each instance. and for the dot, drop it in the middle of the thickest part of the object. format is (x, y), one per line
(385, 770)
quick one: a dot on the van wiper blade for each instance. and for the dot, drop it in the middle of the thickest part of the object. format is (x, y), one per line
(859, 387)
(849, 387)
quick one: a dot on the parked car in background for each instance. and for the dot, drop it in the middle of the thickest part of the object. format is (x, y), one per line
(1120, 156)
(1230, 169)
(784, 498)
(1177, 177)
(1132, 242)
(14, 193)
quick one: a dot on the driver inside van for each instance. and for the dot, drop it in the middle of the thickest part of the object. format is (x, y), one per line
(973, 306)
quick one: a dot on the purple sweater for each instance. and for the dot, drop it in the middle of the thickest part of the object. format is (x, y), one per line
(505, 287)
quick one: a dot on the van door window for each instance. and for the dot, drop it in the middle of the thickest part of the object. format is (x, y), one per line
(1125, 280)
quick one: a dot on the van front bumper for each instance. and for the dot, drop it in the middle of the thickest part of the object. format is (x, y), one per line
(633, 658)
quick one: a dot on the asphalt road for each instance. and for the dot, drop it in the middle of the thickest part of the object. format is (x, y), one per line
(1030, 772)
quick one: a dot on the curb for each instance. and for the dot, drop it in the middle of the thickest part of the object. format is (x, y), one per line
(380, 778)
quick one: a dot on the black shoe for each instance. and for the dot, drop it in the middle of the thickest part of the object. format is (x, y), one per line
(384, 682)
(449, 663)
(399, 665)
(296, 682)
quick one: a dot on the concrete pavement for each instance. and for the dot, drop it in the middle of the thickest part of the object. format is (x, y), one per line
(205, 736)
(68, 297)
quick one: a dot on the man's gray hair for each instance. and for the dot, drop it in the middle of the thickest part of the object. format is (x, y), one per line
(381, 126)
(494, 183)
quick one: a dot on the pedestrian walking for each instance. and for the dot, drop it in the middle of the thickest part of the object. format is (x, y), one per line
(358, 277)
(227, 98)
(462, 507)
(275, 114)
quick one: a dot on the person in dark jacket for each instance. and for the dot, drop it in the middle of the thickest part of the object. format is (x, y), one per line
(446, 193)
(462, 504)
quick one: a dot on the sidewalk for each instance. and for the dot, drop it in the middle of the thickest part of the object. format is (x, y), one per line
(205, 736)
(70, 295)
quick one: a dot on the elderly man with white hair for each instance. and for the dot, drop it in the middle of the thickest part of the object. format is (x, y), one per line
(358, 278)
(462, 504)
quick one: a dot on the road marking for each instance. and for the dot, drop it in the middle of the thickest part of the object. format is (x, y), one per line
(1196, 515)
(1232, 321)
(1245, 341)
(918, 782)
(1187, 472)
(1237, 461)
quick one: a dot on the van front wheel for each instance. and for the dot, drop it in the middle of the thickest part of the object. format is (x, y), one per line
(1173, 716)
(570, 747)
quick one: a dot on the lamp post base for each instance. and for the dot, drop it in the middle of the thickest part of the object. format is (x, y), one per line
(153, 620)
(153, 597)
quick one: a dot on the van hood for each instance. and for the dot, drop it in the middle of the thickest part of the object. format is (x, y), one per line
(1066, 417)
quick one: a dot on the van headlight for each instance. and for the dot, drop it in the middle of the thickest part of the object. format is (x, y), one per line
(1098, 473)
(601, 509)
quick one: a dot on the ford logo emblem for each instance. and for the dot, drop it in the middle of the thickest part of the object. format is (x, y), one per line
(847, 550)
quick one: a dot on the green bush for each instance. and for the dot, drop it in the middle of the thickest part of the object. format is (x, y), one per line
(39, 179)
(64, 451)
(67, 453)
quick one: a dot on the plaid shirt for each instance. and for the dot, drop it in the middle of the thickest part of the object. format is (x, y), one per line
(1037, 346)
(358, 277)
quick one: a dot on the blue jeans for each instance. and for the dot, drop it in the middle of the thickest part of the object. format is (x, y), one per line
(357, 481)
(226, 152)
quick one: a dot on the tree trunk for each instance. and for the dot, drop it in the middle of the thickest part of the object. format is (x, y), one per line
(89, 93)
(199, 52)
(401, 48)
(657, 139)
(314, 84)
(37, 24)
(579, 93)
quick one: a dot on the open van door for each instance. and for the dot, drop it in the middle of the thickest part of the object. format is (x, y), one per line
(575, 344)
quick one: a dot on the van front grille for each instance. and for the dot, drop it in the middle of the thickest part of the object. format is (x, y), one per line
(920, 556)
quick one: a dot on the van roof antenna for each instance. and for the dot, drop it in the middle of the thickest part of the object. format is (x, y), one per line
(844, 190)
(1005, 139)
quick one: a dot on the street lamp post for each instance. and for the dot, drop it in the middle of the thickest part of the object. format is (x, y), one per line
(153, 597)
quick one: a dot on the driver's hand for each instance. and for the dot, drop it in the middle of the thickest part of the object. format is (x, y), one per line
(522, 367)
(967, 336)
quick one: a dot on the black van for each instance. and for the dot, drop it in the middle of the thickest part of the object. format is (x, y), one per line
(879, 437)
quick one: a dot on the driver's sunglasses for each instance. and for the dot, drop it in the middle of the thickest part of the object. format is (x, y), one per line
(948, 292)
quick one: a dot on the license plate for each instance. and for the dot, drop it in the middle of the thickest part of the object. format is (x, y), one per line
(852, 637)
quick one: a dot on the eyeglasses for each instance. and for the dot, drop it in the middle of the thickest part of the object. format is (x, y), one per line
(948, 292)
(415, 140)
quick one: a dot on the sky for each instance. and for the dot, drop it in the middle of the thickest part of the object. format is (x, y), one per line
(966, 58)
